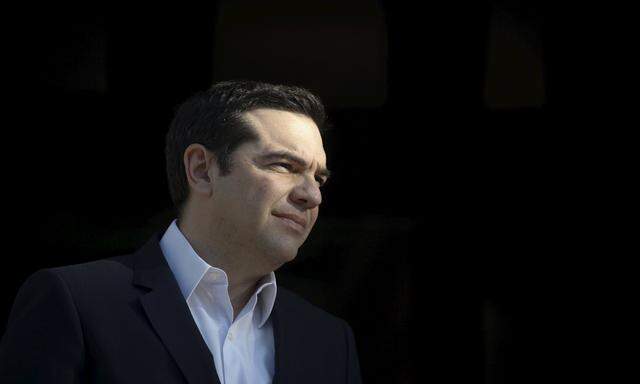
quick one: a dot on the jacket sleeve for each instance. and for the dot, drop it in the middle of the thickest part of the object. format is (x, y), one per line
(353, 365)
(43, 341)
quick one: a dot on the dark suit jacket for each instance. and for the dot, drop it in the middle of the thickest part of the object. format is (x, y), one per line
(124, 320)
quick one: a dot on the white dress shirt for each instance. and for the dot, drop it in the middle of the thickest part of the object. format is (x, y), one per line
(243, 349)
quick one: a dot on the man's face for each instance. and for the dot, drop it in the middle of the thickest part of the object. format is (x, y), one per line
(269, 202)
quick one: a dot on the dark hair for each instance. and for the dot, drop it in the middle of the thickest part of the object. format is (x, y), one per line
(213, 118)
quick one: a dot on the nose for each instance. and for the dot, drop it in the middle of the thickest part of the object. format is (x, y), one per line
(307, 194)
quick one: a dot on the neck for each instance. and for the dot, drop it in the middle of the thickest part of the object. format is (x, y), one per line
(243, 276)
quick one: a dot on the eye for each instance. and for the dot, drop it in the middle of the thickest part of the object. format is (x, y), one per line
(286, 166)
(320, 181)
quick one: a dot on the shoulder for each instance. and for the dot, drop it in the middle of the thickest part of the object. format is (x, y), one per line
(108, 278)
(94, 273)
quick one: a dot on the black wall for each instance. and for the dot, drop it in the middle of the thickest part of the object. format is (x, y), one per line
(447, 236)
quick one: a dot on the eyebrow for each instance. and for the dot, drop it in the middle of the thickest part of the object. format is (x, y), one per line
(324, 172)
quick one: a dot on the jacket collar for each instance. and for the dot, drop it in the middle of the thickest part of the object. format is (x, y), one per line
(170, 316)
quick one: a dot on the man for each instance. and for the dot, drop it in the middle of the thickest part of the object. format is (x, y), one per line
(199, 302)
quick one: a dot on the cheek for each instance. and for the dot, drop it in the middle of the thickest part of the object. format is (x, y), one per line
(263, 193)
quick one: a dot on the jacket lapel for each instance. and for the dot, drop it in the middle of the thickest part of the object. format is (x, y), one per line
(170, 316)
(284, 349)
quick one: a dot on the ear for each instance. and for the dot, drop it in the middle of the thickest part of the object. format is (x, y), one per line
(200, 168)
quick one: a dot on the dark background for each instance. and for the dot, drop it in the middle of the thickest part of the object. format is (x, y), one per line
(459, 220)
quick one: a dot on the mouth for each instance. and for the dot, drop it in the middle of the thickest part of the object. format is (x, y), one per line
(297, 222)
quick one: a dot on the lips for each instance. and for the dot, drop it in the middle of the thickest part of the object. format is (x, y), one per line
(300, 220)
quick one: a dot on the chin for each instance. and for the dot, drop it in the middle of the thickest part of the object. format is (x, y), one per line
(279, 248)
(281, 254)
(286, 255)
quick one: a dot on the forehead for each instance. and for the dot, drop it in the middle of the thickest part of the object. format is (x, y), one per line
(278, 130)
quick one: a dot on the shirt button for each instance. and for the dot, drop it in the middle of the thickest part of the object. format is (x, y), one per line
(230, 335)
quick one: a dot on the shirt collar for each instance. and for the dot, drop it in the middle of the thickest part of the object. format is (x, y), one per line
(189, 268)
(266, 292)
